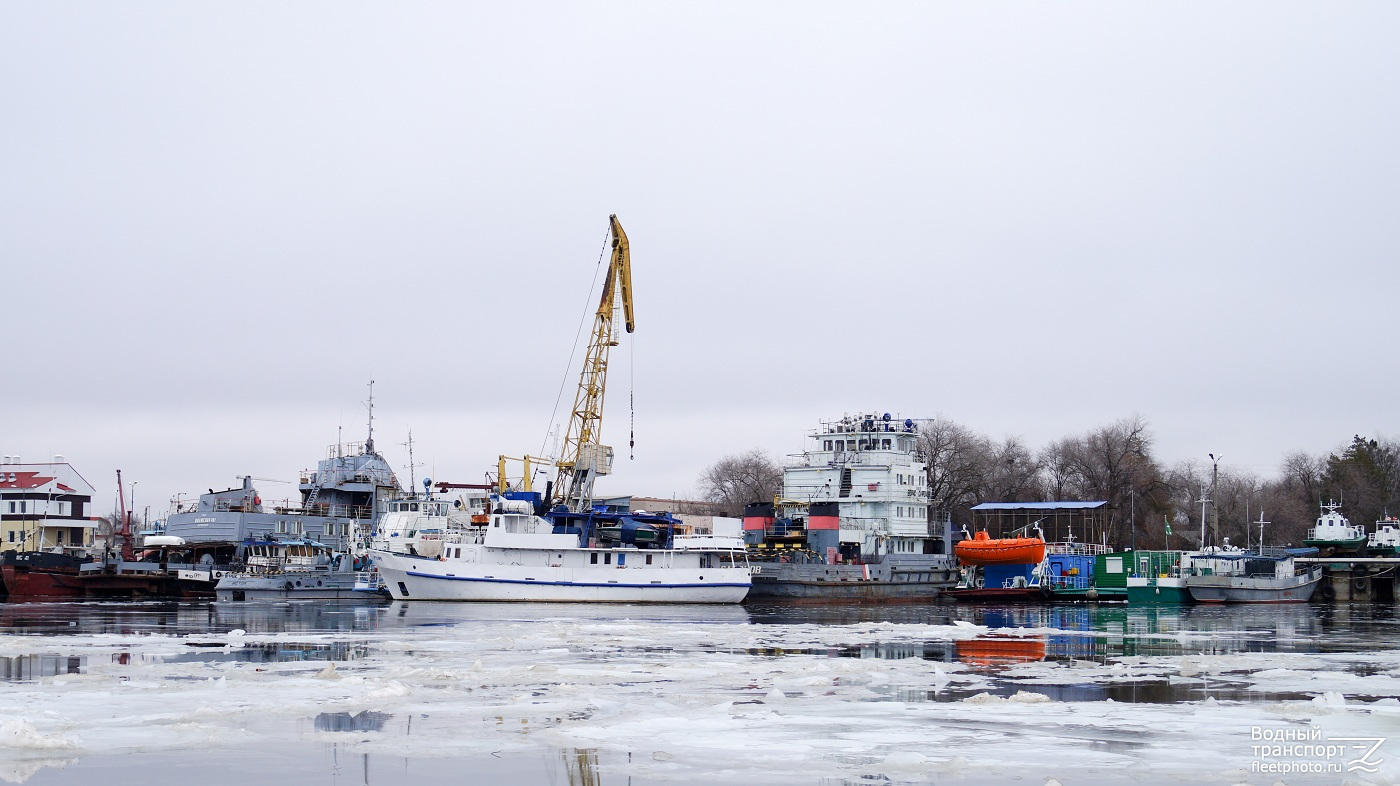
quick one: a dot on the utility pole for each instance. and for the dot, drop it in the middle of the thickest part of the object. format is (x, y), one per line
(1132, 516)
(1214, 490)
(1203, 517)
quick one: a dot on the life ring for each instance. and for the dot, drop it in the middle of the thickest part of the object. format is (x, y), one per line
(1328, 591)
(1045, 592)
(1359, 584)
(218, 574)
(287, 586)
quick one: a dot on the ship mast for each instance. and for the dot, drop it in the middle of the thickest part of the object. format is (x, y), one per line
(584, 458)
(369, 441)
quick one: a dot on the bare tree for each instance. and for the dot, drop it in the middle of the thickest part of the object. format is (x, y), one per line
(1113, 463)
(734, 481)
(956, 460)
(1011, 473)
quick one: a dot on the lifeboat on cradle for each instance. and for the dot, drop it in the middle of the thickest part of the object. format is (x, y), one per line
(986, 550)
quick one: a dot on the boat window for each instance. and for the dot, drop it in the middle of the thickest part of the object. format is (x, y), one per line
(593, 558)
(607, 559)
(850, 444)
(885, 444)
(648, 559)
(413, 506)
(826, 445)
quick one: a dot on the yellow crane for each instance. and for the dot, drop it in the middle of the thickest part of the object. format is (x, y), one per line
(583, 459)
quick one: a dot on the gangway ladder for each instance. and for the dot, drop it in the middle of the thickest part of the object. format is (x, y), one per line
(845, 482)
(315, 495)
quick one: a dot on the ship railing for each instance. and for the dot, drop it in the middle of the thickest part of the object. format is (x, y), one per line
(1072, 582)
(341, 449)
(327, 510)
(1077, 548)
(368, 579)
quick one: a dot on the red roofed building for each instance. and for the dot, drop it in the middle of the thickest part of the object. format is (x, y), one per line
(44, 506)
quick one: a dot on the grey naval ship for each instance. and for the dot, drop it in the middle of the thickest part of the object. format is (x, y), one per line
(853, 521)
(339, 504)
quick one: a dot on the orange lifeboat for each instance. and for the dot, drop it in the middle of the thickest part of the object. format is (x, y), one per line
(986, 550)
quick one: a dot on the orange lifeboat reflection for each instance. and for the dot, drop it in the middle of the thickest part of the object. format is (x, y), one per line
(999, 651)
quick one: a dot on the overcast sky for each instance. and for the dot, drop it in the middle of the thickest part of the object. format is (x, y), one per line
(218, 222)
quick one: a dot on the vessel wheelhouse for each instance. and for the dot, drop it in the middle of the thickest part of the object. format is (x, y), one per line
(1334, 534)
(853, 520)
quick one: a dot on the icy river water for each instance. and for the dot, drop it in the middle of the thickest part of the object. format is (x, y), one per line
(422, 693)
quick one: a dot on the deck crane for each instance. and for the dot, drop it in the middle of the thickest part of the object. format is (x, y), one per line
(583, 458)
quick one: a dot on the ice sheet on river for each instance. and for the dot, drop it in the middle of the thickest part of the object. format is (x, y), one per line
(713, 699)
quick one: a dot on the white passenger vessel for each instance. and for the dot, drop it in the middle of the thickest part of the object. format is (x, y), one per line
(518, 555)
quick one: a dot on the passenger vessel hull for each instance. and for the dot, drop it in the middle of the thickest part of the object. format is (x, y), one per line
(416, 578)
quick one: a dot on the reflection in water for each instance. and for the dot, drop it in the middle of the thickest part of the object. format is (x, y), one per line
(185, 618)
(581, 766)
(23, 668)
(1000, 650)
(369, 720)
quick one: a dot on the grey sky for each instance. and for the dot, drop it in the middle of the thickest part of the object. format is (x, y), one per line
(218, 221)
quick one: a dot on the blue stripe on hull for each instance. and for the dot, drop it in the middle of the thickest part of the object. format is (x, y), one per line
(569, 583)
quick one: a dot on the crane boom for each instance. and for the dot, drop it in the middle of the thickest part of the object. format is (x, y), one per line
(583, 458)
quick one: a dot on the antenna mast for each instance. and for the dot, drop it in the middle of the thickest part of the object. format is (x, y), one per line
(369, 441)
(412, 466)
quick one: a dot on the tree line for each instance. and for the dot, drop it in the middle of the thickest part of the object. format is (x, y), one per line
(1117, 463)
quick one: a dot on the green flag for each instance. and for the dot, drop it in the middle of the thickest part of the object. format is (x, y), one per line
(1168, 523)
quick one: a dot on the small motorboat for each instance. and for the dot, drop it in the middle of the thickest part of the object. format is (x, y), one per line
(983, 549)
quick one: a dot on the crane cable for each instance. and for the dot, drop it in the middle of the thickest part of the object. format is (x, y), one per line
(632, 401)
(582, 321)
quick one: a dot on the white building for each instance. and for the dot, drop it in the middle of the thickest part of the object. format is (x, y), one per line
(44, 506)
